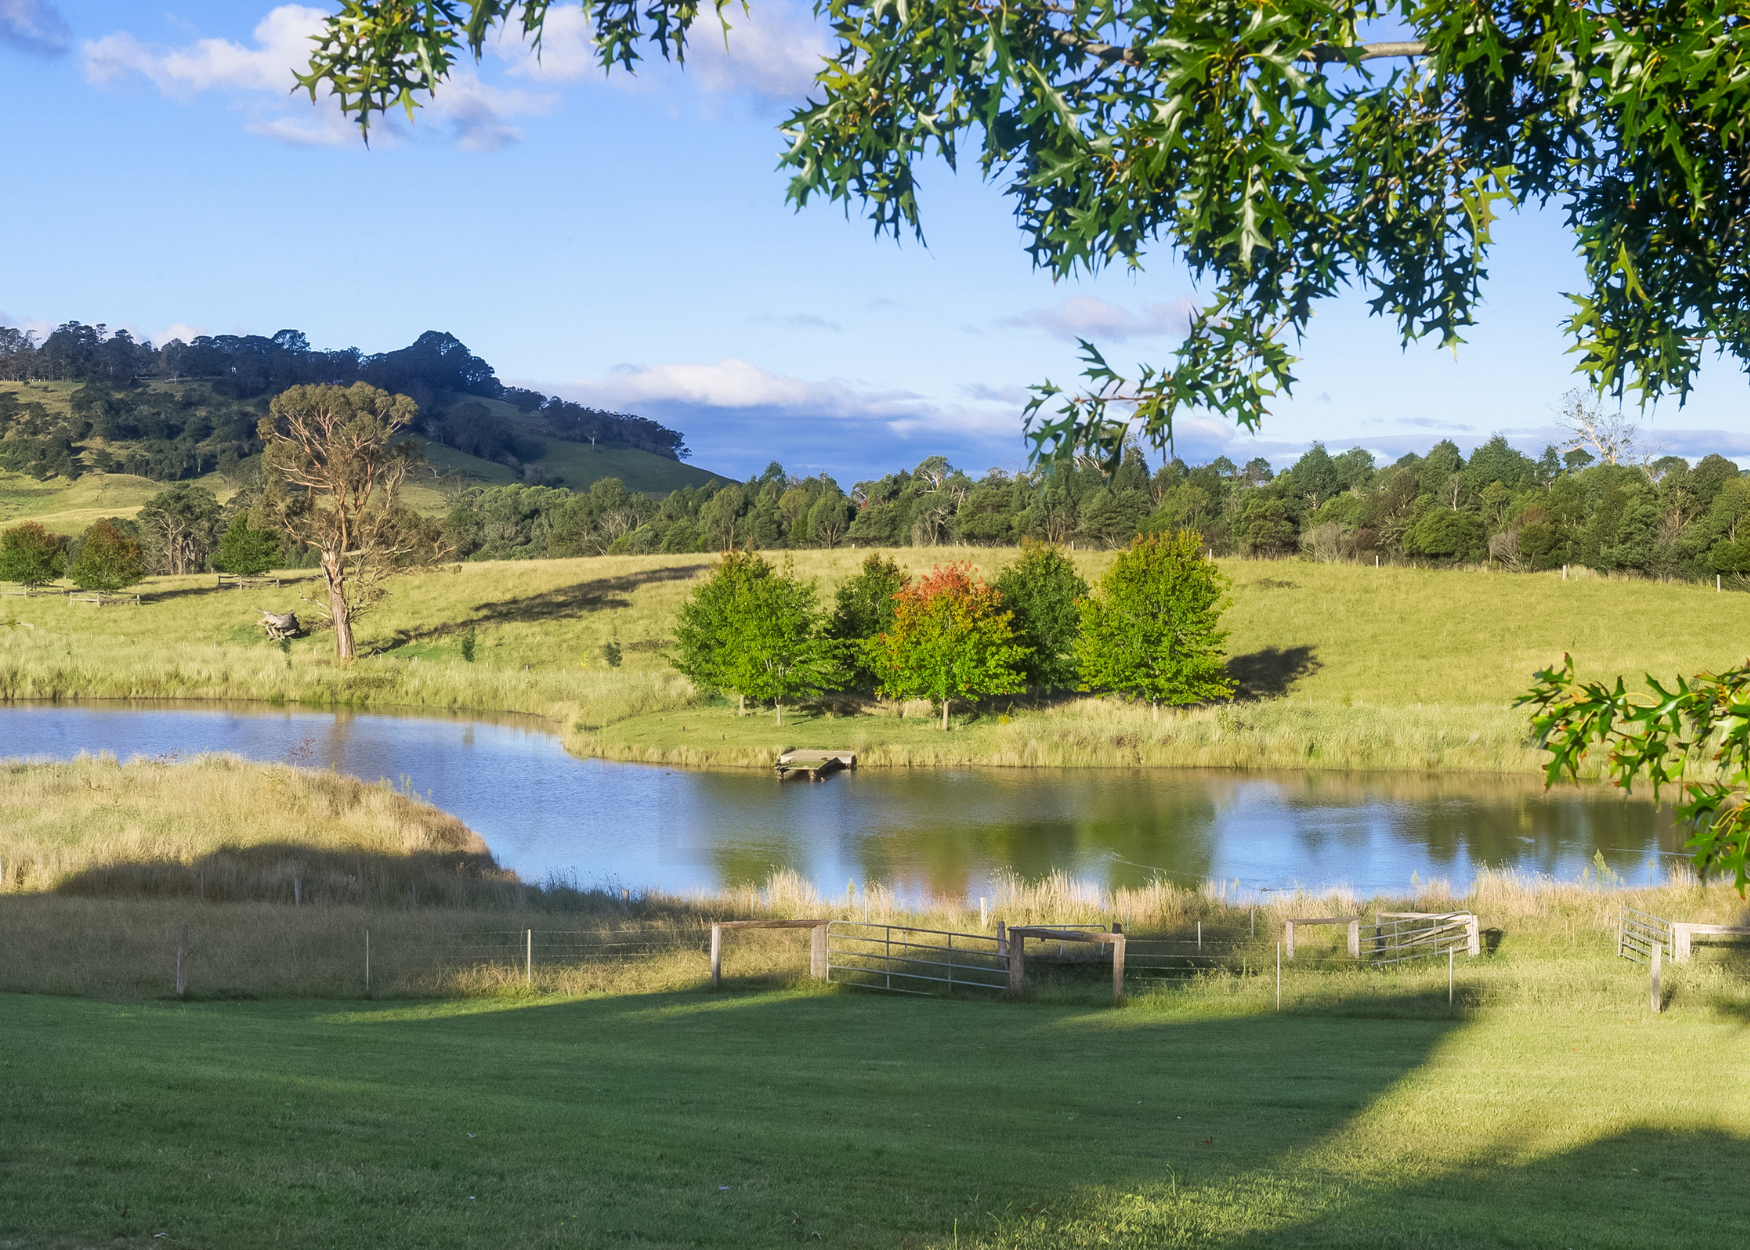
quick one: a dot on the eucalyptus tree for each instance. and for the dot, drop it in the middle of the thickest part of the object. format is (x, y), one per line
(334, 469)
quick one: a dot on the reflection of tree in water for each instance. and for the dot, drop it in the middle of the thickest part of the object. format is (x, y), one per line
(1486, 819)
(938, 833)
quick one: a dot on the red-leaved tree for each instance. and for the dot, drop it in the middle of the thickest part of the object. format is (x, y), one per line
(951, 638)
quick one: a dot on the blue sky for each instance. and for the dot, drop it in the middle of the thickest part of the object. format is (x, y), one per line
(625, 242)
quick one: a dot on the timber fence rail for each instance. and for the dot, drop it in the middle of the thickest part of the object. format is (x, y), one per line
(911, 960)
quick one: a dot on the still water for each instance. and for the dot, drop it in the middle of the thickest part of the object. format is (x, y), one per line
(545, 813)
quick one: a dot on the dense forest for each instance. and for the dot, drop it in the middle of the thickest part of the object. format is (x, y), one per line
(189, 408)
(1665, 518)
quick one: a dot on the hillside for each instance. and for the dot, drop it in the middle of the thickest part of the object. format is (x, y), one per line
(68, 506)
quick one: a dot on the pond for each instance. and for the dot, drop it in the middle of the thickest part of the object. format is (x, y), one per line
(951, 831)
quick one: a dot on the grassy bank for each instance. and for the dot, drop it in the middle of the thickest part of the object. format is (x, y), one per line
(1341, 666)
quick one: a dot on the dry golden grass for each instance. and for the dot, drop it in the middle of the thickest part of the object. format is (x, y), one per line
(277, 873)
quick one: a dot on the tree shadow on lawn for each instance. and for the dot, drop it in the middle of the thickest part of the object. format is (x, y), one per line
(1643, 1187)
(1271, 673)
(740, 1118)
(550, 605)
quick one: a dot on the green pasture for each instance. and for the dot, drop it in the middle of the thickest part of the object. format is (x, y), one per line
(1341, 666)
(773, 1115)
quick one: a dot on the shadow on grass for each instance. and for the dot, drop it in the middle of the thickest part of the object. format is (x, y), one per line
(1271, 673)
(556, 604)
(740, 1118)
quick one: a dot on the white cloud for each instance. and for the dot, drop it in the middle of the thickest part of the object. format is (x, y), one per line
(737, 416)
(30, 325)
(1090, 317)
(181, 330)
(772, 51)
(34, 26)
(475, 116)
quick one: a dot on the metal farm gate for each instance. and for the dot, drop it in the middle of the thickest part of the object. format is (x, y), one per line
(910, 960)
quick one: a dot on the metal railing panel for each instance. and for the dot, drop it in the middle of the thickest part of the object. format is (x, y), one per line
(1638, 933)
(905, 959)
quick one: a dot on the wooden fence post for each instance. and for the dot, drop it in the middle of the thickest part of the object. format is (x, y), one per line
(716, 956)
(182, 961)
(1017, 964)
(1002, 940)
(1475, 933)
(817, 952)
(1658, 958)
(1288, 937)
(529, 958)
(1355, 938)
(1118, 940)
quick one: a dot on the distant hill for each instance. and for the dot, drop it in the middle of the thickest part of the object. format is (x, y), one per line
(87, 400)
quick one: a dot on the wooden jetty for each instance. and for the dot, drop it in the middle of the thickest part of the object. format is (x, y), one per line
(813, 765)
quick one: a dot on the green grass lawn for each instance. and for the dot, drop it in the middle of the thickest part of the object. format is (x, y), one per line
(777, 1116)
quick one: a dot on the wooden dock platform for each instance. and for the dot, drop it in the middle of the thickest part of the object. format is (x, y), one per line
(813, 765)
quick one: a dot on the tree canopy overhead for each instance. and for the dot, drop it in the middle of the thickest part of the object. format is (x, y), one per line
(1280, 151)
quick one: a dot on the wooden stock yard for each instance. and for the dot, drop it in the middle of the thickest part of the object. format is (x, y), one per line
(1352, 922)
(816, 943)
(1018, 951)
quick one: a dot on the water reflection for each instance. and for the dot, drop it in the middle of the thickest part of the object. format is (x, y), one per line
(946, 832)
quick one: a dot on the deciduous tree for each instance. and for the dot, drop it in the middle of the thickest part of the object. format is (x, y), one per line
(1043, 590)
(1152, 629)
(31, 556)
(951, 638)
(756, 631)
(108, 560)
(1278, 152)
(245, 550)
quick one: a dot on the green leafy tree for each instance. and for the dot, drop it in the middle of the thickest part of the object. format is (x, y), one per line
(1151, 630)
(180, 528)
(31, 556)
(246, 551)
(1042, 589)
(753, 630)
(1663, 735)
(1278, 153)
(951, 638)
(108, 560)
(864, 606)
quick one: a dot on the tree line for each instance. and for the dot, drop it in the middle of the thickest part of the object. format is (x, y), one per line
(1662, 516)
(1150, 631)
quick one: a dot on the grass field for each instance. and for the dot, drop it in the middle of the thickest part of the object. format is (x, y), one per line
(1547, 1107)
(1342, 666)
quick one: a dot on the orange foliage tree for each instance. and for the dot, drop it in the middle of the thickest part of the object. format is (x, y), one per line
(951, 638)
